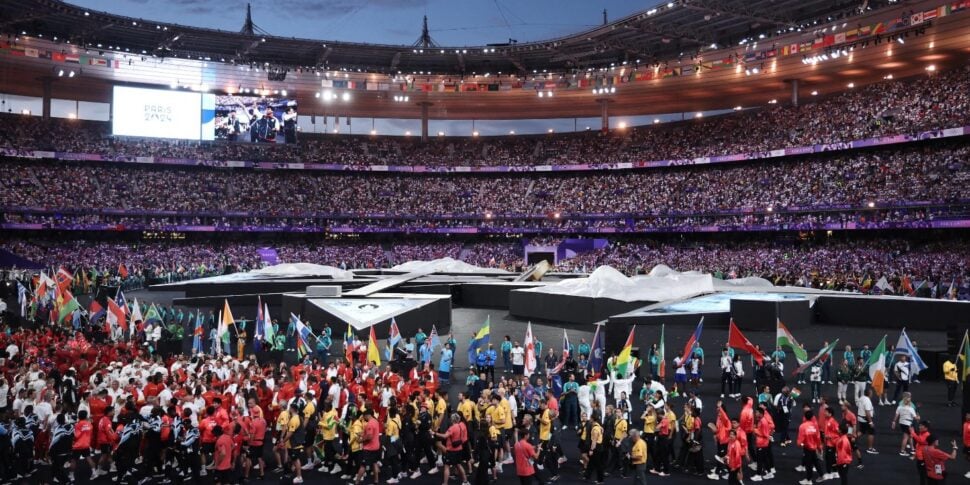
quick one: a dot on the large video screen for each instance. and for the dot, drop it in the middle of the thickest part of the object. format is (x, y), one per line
(157, 113)
(255, 119)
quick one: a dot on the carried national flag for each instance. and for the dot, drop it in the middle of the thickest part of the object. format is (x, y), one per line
(224, 322)
(64, 278)
(122, 301)
(373, 354)
(877, 367)
(693, 342)
(67, 309)
(95, 310)
(661, 356)
(268, 330)
(259, 333)
(122, 270)
(349, 344)
(822, 355)
(963, 355)
(303, 335)
(117, 316)
(434, 341)
(784, 338)
(478, 343)
(905, 347)
(530, 351)
(565, 354)
(597, 351)
(623, 361)
(153, 315)
(395, 337)
(737, 340)
(136, 319)
(22, 298)
(197, 334)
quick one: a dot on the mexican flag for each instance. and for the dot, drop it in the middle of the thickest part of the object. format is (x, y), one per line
(877, 366)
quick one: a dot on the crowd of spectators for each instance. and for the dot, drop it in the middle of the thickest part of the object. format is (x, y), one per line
(926, 172)
(842, 264)
(928, 102)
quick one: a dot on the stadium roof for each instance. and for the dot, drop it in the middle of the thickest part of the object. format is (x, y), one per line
(756, 73)
(675, 29)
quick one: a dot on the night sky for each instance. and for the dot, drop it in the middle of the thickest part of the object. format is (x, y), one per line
(452, 22)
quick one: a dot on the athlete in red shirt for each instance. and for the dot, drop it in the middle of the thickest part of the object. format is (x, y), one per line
(843, 453)
(763, 431)
(83, 432)
(735, 456)
(936, 458)
(810, 441)
(106, 438)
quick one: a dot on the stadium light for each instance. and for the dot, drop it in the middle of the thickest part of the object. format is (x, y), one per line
(511, 132)
(622, 125)
(656, 120)
(550, 130)
(60, 73)
(373, 132)
(474, 133)
(283, 92)
(345, 96)
(931, 67)
(851, 85)
(25, 112)
(70, 74)
(737, 108)
(871, 205)
(814, 93)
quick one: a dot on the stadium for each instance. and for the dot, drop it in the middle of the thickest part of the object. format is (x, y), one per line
(288, 244)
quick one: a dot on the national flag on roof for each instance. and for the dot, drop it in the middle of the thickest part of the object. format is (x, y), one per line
(624, 360)
(480, 342)
(904, 346)
(693, 342)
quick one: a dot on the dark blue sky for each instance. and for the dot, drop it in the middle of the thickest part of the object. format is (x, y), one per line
(452, 22)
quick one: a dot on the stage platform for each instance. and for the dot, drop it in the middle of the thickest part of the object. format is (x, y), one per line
(420, 300)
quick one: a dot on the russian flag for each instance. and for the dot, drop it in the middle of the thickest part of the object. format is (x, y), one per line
(693, 341)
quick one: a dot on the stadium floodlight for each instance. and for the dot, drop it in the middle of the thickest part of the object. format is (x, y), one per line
(345, 96)
(70, 74)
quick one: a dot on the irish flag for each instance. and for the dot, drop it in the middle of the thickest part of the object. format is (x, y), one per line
(623, 365)
(786, 339)
(877, 367)
(225, 320)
